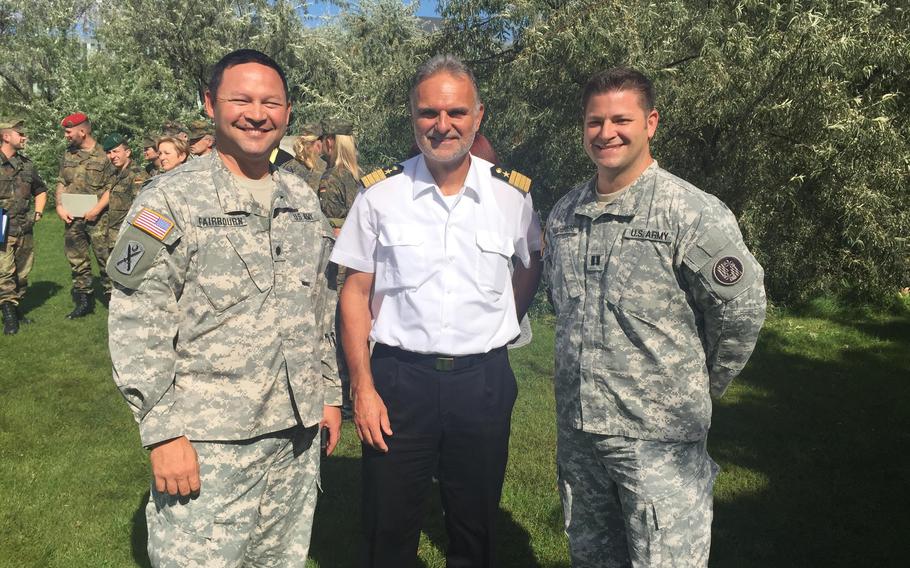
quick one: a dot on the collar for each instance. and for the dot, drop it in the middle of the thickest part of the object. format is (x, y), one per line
(231, 198)
(423, 180)
(626, 206)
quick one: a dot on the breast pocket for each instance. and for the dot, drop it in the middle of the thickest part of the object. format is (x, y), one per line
(641, 280)
(561, 257)
(232, 268)
(496, 250)
(401, 257)
(94, 175)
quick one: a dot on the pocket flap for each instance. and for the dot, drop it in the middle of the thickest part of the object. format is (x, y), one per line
(490, 241)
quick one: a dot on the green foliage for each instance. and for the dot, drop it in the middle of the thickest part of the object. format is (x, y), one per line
(795, 114)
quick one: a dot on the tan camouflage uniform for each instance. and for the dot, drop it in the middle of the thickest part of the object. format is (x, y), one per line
(19, 184)
(221, 331)
(310, 176)
(87, 172)
(129, 181)
(659, 304)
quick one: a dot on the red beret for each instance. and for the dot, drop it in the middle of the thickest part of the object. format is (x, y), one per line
(72, 120)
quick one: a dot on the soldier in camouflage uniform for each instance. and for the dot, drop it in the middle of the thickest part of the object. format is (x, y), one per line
(150, 153)
(85, 169)
(338, 186)
(130, 177)
(221, 337)
(201, 138)
(308, 162)
(19, 184)
(659, 304)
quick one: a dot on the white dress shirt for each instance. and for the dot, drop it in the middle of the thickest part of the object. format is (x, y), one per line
(441, 265)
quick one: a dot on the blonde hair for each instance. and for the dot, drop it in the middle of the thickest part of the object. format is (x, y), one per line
(180, 144)
(304, 151)
(345, 154)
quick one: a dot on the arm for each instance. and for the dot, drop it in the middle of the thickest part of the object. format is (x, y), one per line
(731, 302)
(370, 415)
(143, 324)
(96, 211)
(524, 283)
(332, 398)
(61, 211)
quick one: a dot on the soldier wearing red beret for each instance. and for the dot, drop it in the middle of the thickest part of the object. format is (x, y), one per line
(85, 169)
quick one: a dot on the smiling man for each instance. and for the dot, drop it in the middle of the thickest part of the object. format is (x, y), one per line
(130, 177)
(428, 244)
(221, 337)
(658, 304)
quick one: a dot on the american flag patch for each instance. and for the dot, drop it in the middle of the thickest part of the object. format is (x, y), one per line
(153, 223)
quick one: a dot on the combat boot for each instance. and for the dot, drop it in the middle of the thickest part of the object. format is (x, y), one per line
(10, 319)
(85, 304)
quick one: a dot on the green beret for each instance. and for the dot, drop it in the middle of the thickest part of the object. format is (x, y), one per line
(14, 123)
(335, 126)
(311, 129)
(200, 128)
(113, 140)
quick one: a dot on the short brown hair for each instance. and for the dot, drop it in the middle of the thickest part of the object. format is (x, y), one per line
(619, 79)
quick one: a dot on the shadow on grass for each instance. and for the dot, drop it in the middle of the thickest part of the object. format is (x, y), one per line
(39, 293)
(819, 440)
(337, 531)
(139, 534)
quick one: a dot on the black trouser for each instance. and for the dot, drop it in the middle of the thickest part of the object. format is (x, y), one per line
(450, 423)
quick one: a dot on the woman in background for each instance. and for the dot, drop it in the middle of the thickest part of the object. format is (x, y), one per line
(308, 162)
(172, 152)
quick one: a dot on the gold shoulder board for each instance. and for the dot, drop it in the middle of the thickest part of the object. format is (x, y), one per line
(377, 176)
(516, 179)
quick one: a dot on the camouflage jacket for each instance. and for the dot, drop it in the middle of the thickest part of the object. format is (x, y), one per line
(658, 304)
(87, 171)
(311, 177)
(126, 187)
(337, 190)
(221, 321)
(19, 184)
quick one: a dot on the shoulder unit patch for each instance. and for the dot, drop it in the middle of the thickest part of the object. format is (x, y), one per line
(377, 176)
(516, 179)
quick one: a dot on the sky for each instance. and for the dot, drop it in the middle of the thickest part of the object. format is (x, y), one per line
(427, 8)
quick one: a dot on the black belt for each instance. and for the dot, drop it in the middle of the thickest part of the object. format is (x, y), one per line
(434, 361)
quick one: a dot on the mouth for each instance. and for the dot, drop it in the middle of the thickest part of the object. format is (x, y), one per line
(606, 147)
(253, 131)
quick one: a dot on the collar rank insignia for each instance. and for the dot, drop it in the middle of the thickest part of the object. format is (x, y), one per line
(377, 176)
(517, 180)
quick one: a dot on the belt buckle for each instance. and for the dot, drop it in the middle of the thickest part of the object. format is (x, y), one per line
(444, 363)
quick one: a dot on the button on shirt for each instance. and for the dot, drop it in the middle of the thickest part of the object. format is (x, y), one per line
(441, 266)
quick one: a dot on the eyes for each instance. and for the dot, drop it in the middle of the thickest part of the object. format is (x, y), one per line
(599, 122)
(241, 102)
(430, 113)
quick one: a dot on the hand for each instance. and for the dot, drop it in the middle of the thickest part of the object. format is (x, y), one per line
(331, 419)
(175, 467)
(38, 215)
(92, 215)
(371, 418)
(64, 214)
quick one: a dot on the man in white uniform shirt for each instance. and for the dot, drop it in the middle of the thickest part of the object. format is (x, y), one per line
(428, 244)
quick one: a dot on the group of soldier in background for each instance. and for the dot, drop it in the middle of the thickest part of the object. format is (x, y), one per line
(325, 156)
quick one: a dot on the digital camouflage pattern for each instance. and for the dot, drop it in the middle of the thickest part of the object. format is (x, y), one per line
(337, 190)
(126, 187)
(19, 184)
(646, 330)
(639, 503)
(310, 176)
(223, 323)
(658, 304)
(244, 487)
(87, 172)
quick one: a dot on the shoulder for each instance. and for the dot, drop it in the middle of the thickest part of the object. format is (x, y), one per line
(565, 206)
(193, 178)
(688, 203)
(381, 174)
(510, 177)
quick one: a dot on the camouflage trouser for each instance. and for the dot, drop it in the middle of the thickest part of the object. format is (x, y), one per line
(637, 503)
(79, 236)
(16, 259)
(255, 505)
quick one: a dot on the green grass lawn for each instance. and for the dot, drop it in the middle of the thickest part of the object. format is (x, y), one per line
(812, 440)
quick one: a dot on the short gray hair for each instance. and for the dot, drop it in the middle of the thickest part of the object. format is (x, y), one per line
(446, 63)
